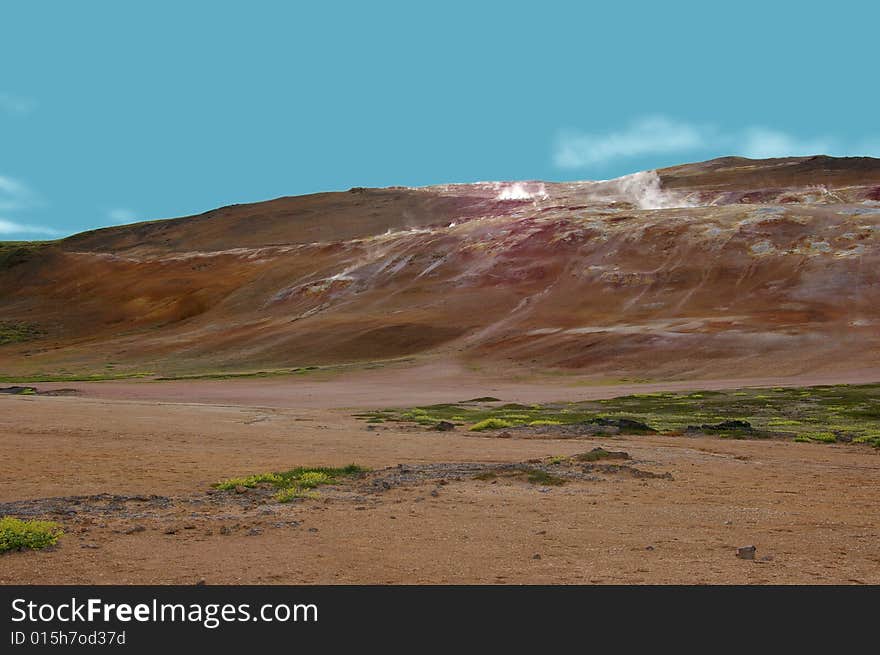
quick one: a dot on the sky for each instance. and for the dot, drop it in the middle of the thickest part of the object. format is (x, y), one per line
(115, 112)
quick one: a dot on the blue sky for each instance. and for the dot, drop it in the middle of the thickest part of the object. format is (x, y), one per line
(112, 112)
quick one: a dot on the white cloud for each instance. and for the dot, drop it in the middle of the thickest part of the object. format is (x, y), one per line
(16, 105)
(761, 143)
(122, 216)
(16, 196)
(658, 135)
(646, 136)
(10, 227)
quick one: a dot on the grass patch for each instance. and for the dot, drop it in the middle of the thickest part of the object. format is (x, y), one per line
(295, 483)
(16, 534)
(250, 481)
(13, 253)
(849, 412)
(820, 437)
(18, 332)
(490, 424)
(299, 370)
(599, 454)
(537, 476)
(48, 377)
(293, 493)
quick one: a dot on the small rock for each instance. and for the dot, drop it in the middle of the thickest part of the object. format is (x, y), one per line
(93, 546)
(253, 532)
(536, 556)
(313, 529)
(224, 529)
(239, 489)
(504, 435)
(746, 552)
(171, 531)
(435, 493)
(201, 583)
(444, 426)
(649, 548)
(134, 529)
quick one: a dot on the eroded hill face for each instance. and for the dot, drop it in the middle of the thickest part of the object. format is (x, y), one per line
(732, 267)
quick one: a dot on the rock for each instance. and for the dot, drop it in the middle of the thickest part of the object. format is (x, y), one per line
(444, 426)
(536, 556)
(649, 548)
(313, 529)
(201, 583)
(253, 532)
(171, 531)
(434, 493)
(724, 426)
(224, 530)
(504, 435)
(622, 424)
(24, 391)
(746, 552)
(239, 489)
(93, 546)
(134, 529)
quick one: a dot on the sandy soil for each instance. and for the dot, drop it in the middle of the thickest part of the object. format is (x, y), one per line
(405, 385)
(810, 509)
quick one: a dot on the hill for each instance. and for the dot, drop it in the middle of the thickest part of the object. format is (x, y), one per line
(730, 267)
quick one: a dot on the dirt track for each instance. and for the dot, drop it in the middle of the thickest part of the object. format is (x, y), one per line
(810, 509)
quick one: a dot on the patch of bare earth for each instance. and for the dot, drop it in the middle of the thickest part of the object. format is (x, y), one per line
(130, 480)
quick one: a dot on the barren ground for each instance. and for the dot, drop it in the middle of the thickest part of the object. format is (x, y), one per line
(144, 454)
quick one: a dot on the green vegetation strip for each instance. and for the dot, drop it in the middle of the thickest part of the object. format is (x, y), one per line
(72, 377)
(295, 483)
(18, 332)
(822, 414)
(16, 534)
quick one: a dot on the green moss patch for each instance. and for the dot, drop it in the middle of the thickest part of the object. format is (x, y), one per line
(848, 413)
(16, 534)
(18, 332)
(292, 484)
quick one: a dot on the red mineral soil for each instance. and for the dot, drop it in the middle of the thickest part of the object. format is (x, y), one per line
(731, 268)
(275, 320)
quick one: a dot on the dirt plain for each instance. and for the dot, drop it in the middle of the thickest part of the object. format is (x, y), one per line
(127, 468)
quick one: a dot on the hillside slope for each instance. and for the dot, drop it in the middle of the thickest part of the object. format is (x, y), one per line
(729, 267)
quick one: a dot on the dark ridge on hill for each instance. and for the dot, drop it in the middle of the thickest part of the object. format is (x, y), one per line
(727, 173)
(333, 216)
